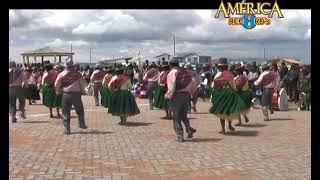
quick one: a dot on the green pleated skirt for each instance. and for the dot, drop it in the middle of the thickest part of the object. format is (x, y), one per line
(49, 97)
(105, 97)
(159, 100)
(226, 103)
(123, 104)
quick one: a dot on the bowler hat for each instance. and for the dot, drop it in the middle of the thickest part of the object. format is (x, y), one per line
(222, 61)
(69, 63)
(12, 64)
(264, 65)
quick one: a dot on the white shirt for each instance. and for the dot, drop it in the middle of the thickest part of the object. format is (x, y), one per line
(205, 82)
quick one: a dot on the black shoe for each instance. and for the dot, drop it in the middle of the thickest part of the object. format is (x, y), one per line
(84, 127)
(194, 109)
(14, 120)
(23, 115)
(191, 132)
(66, 131)
(180, 140)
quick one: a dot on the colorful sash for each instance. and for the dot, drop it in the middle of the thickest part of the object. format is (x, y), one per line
(240, 82)
(183, 78)
(163, 77)
(70, 77)
(223, 79)
(116, 84)
(151, 73)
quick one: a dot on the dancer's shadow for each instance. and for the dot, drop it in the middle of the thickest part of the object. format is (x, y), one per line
(281, 119)
(137, 124)
(253, 125)
(92, 132)
(191, 118)
(242, 133)
(204, 139)
(200, 113)
(35, 121)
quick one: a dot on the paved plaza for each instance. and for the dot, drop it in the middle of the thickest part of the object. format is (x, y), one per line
(145, 149)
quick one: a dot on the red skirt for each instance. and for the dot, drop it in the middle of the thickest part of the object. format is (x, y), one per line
(274, 103)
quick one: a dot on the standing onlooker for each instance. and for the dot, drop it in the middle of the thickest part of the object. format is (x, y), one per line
(304, 87)
(293, 76)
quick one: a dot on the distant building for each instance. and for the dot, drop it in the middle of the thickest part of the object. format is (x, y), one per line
(192, 58)
(162, 57)
(122, 61)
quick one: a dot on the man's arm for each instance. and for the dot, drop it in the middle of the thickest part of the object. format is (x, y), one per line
(259, 80)
(58, 84)
(171, 83)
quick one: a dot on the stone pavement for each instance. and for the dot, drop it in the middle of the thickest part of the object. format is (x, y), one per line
(145, 149)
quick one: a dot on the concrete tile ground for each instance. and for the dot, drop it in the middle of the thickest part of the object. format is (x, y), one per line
(145, 149)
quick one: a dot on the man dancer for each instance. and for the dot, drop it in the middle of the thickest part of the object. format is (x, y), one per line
(194, 96)
(180, 87)
(96, 79)
(16, 82)
(70, 84)
(151, 76)
(268, 81)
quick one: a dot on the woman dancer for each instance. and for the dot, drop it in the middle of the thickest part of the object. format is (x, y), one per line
(105, 91)
(226, 103)
(49, 97)
(123, 103)
(244, 92)
(160, 91)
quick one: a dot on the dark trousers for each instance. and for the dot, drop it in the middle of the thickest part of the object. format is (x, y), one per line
(96, 91)
(179, 107)
(266, 101)
(16, 92)
(150, 91)
(69, 99)
(194, 99)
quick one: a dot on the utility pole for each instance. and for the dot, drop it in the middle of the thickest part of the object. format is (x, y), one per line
(264, 53)
(174, 44)
(71, 47)
(90, 56)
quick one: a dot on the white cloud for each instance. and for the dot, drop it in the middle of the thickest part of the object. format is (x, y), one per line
(61, 43)
(126, 32)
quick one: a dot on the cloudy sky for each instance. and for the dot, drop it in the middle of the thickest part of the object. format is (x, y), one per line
(121, 33)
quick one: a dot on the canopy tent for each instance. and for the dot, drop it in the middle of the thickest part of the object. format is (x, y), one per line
(45, 52)
(288, 61)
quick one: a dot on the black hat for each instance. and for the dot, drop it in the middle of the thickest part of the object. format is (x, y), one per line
(12, 64)
(222, 61)
(237, 66)
(174, 60)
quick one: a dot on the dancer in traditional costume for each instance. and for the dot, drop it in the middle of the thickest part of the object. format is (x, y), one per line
(69, 83)
(226, 102)
(242, 88)
(16, 82)
(195, 95)
(268, 81)
(96, 80)
(105, 91)
(49, 97)
(180, 87)
(32, 90)
(151, 77)
(160, 90)
(123, 103)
